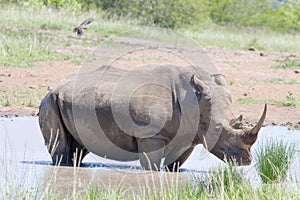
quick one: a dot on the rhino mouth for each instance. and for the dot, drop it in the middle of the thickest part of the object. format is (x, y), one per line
(240, 161)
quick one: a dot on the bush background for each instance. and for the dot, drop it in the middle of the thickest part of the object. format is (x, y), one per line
(278, 15)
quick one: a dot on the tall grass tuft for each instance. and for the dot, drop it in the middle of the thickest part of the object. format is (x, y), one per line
(224, 183)
(273, 161)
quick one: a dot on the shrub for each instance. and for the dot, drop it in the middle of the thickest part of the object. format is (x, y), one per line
(273, 161)
(227, 182)
(277, 15)
(163, 13)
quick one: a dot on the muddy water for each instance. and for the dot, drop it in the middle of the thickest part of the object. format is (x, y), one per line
(24, 162)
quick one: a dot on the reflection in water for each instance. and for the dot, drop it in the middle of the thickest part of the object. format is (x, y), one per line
(76, 180)
(24, 165)
(72, 182)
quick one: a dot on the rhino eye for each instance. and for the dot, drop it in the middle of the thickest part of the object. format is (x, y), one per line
(218, 127)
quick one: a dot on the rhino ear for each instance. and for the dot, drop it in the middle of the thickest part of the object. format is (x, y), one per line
(200, 85)
(219, 79)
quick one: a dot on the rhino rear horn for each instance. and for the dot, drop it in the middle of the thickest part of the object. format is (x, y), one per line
(260, 123)
(236, 123)
(200, 85)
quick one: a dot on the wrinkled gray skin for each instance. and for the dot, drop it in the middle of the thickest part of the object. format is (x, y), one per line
(82, 114)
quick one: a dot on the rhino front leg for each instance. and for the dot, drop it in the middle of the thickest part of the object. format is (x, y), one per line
(151, 151)
(174, 166)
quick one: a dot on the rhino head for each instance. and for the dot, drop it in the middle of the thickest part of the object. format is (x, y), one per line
(228, 140)
(235, 142)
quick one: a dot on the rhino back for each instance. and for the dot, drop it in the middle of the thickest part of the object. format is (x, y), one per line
(106, 94)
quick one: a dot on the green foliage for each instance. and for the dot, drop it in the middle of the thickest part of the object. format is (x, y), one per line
(226, 181)
(255, 43)
(286, 17)
(163, 13)
(73, 5)
(218, 184)
(238, 12)
(176, 14)
(273, 161)
(257, 13)
(30, 36)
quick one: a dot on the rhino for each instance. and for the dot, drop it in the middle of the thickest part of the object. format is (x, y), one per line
(156, 114)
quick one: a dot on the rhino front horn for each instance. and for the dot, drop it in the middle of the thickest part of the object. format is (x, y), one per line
(260, 123)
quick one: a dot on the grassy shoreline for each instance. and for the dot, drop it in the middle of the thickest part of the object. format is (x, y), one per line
(34, 32)
(272, 164)
(218, 184)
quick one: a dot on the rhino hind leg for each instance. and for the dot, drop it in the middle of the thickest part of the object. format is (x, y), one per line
(77, 152)
(151, 152)
(174, 166)
(68, 152)
(60, 143)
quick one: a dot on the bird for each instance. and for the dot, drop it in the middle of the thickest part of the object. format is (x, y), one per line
(79, 29)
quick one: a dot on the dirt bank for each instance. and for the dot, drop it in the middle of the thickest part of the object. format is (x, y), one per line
(249, 75)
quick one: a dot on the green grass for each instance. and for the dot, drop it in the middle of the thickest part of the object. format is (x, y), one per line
(17, 96)
(293, 126)
(281, 81)
(144, 58)
(273, 161)
(56, 22)
(280, 191)
(289, 100)
(226, 183)
(288, 63)
(31, 35)
(242, 38)
(25, 49)
(248, 100)
(243, 191)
